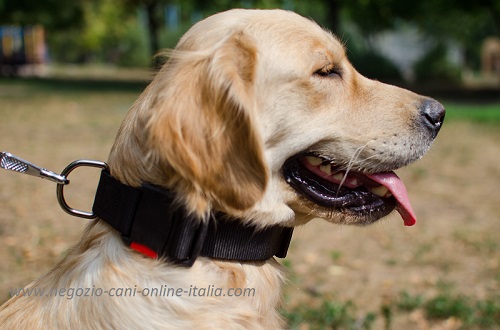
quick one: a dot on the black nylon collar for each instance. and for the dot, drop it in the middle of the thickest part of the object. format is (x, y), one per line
(150, 222)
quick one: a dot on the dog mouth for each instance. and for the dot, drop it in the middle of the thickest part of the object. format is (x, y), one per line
(369, 196)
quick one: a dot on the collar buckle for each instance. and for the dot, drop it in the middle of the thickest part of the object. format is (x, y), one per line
(198, 241)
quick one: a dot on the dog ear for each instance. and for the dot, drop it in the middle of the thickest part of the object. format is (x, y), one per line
(203, 125)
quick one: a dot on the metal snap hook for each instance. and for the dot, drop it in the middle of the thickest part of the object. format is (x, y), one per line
(60, 187)
(11, 162)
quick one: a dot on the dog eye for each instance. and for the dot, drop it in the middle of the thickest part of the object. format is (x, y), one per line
(329, 72)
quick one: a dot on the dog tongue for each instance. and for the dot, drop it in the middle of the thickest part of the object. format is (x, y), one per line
(397, 188)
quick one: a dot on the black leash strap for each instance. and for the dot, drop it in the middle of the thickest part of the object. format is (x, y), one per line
(151, 222)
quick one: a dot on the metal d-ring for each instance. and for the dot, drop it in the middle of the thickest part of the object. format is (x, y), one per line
(60, 187)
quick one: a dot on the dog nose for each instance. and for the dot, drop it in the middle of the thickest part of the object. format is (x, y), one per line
(432, 115)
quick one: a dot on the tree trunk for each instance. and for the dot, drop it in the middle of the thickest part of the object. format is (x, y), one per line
(153, 26)
(332, 15)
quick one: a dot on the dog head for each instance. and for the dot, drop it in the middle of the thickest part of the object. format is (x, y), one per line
(259, 114)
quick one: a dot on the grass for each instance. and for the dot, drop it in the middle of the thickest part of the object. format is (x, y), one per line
(329, 315)
(473, 314)
(12, 88)
(320, 312)
(470, 313)
(482, 113)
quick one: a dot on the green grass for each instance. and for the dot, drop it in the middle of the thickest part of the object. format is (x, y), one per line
(476, 112)
(408, 302)
(329, 315)
(473, 314)
(38, 86)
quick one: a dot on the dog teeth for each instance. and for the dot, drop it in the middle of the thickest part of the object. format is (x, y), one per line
(314, 161)
(353, 182)
(350, 181)
(338, 176)
(381, 191)
(326, 169)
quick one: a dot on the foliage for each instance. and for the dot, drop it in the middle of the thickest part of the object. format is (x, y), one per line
(374, 65)
(112, 34)
(52, 14)
(367, 60)
(435, 67)
(83, 30)
(466, 22)
(441, 18)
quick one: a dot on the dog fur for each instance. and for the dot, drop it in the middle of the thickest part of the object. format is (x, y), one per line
(243, 91)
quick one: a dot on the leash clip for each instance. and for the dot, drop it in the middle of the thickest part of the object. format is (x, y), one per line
(13, 163)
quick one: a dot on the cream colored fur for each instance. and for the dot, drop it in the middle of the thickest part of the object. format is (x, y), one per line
(237, 98)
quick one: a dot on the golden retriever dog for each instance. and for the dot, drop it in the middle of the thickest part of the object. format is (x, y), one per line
(259, 116)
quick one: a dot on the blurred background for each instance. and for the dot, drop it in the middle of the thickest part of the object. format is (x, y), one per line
(70, 70)
(430, 40)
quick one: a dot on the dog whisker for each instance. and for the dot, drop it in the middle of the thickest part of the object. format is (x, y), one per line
(350, 165)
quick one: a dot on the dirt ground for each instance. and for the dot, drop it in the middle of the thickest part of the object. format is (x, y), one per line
(453, 190)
